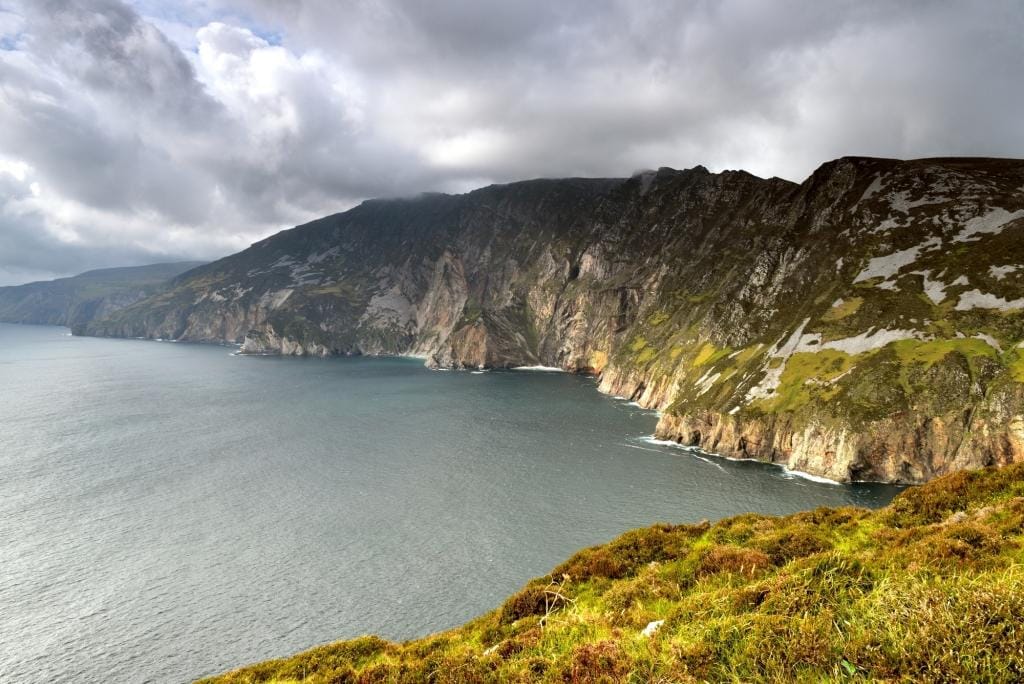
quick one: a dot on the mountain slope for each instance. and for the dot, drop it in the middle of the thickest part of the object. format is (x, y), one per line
(79, 299)
(861, 325)
(929, 589)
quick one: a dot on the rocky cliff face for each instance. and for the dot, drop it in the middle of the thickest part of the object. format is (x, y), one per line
(864, 324)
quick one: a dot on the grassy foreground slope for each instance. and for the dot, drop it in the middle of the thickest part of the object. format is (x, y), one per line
(930, 588)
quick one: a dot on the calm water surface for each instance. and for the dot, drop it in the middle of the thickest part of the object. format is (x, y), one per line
(169, 511)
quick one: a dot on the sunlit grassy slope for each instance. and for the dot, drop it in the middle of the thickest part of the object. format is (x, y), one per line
(930, 588)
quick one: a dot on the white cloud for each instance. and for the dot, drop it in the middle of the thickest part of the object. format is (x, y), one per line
(195, 127)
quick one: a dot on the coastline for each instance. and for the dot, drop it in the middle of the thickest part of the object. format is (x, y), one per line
(553, 369)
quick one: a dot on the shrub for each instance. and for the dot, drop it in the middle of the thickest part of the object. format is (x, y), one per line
(629, 553)
(602, 662)
(529, 601)
(732, 559)
(792, 541)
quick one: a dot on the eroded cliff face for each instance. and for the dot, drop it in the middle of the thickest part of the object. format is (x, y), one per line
(862, 325)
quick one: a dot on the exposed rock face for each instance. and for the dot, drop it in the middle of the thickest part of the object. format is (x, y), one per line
(864, 324)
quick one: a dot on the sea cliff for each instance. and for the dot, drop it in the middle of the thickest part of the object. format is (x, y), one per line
(862, 325)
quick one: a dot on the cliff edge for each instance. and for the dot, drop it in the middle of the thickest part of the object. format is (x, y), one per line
(929, 589)
(862, 325)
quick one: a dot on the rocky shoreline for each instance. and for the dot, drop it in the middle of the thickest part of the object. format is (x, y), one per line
(863, 325)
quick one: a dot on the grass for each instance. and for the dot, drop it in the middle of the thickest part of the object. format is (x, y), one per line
(845, 308)
(933, 351)
(808, 375)
(658, 318)
(638, 344)
(1015, 362)
(706, 354)
(643, 350)
(930, 588)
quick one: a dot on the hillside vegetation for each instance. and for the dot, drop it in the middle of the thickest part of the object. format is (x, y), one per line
(930, 588)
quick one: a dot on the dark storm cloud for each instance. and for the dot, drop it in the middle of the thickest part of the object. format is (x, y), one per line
(192, 128)
(776, 86)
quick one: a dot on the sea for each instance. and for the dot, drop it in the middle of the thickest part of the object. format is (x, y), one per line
(170, 511)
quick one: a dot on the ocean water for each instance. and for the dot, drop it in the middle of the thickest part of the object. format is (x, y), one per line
(169, 511)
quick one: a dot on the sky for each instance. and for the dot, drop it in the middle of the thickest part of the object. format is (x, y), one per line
(138, 131)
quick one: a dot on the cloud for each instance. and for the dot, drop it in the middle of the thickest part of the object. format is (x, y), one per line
(33, 247)
(192, 128)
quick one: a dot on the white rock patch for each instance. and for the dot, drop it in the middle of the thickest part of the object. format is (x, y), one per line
(888, 265)
(875, 186)
(652, 628)
(302, 274)
(891, 223)
(869, 340)
(900, 201)
(773, 376)
(317, 258)
(283, 262)
(390, 306)
(991, 223)
(989, 340)
(275, 298)
(1000, 272)
(976, 299)
(935, 290)
(707, 381)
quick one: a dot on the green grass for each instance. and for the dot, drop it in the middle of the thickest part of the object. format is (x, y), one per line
(1015, 362)
(807, 376)
(933, 351)
(846, 308)
(707, 354)
(643, 351)
(658, 318)
(930, 588)
(638, 344)
(647, 355)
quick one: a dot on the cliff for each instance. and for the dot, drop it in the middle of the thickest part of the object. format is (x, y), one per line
(929, 589)
(864, 324)
(81, 298)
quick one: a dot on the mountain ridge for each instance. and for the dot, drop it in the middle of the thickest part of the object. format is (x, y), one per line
(861, 325)
(77, 299)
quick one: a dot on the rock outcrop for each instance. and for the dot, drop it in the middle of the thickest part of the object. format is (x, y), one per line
(863, 325)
